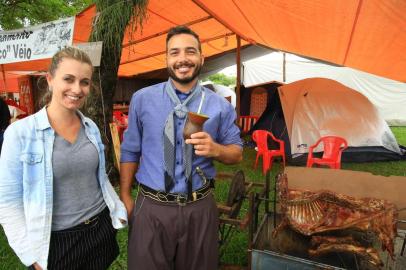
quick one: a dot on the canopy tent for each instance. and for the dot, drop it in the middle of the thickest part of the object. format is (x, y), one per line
(366, 35)
(388, 96)
(144, 51)
(303, 111)
(10, 84)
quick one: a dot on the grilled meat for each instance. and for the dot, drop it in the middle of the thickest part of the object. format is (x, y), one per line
(314, 212)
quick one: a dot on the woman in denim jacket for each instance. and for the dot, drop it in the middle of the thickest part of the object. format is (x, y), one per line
(57, 206)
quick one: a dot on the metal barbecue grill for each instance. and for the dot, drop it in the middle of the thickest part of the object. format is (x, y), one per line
(275, 253)
(290, 249)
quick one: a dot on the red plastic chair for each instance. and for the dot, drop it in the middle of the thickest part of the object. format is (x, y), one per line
(246, 122)
(261, 139)
(117, 116)
(333, 147)
(121, 120)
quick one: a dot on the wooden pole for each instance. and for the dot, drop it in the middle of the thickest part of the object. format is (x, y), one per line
(238, 86)
(4, 78)
(284, 67)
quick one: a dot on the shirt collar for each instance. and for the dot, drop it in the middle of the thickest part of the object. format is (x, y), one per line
(42, 121)
(180, 92)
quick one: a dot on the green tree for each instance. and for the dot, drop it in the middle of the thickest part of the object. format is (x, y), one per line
(113, 19)
(16, 14)
(222, 79)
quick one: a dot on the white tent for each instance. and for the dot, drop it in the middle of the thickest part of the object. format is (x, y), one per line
(388, 96)
(222, 90)
(303, 111)
(311, 113)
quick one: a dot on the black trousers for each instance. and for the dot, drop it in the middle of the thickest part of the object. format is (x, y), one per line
(84, 247)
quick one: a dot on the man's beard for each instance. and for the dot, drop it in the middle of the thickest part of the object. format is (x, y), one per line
(185, 80)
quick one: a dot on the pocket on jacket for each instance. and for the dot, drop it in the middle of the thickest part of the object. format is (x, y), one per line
(31, 158)
(32, 167)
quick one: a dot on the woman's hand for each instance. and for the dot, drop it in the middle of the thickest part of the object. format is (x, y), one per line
(123, 221)
(36, 266)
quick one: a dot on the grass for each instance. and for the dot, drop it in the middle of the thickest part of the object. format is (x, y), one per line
(235, 251)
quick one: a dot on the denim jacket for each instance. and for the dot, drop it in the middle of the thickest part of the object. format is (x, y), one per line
(26, 183)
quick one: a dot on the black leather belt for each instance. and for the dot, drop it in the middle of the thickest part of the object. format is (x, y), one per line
(87, 223)
(177, 198)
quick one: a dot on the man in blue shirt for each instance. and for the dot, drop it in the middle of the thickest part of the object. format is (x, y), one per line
(174, 220)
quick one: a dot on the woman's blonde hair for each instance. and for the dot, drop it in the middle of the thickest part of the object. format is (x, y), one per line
(67, 52)
(71, 53)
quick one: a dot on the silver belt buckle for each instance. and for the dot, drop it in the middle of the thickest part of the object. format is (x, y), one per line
(181, 199)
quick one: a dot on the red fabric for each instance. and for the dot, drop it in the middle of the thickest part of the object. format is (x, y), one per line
(122, 122)
(366, 35)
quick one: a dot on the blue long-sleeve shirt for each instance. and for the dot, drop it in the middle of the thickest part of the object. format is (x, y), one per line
(143, 139)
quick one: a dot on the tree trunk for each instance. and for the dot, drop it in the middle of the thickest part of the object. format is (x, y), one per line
(99, 107)
(111, 22)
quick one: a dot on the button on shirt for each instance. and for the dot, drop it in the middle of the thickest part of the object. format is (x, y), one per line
(143, 139)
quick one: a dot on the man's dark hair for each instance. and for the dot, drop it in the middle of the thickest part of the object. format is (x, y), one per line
(181, 29)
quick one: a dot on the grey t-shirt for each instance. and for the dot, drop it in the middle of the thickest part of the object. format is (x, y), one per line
(77, 192)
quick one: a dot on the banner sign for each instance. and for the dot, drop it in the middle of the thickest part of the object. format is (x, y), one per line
(93, 49)
(36, 42)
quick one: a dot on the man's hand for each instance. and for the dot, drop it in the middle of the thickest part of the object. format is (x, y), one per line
(127, 172)
(128, 203)
(204, 145)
